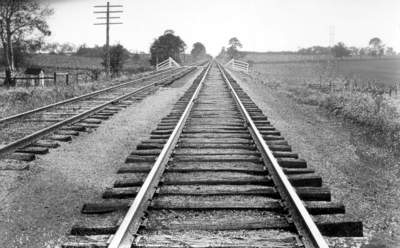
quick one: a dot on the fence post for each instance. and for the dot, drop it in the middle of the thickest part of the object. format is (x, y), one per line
(66, 78)
(55, 78)
(320, 82)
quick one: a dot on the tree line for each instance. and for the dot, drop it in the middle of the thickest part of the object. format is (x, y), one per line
(375, 49)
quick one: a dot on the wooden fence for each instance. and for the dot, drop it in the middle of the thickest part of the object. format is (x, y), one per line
(350, 85)
(36, 81)
(57, 78)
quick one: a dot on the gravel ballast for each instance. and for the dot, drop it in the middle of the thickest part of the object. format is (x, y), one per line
(40, 205)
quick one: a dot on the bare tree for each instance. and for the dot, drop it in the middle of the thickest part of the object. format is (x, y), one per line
(21, 20)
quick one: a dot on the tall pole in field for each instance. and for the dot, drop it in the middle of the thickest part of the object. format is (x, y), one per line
(108, 41)
(108, 17)
(331, 36)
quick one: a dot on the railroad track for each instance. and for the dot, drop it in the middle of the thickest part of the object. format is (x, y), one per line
(214, 173)
(34, 132)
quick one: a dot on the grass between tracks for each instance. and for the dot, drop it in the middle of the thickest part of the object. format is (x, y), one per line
(349, 99)
(16, 100)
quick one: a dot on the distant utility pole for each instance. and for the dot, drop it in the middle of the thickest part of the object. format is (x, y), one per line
(108, 17)
(331, 36)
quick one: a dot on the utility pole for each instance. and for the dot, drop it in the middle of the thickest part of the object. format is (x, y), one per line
(108, 23)
(331, 36)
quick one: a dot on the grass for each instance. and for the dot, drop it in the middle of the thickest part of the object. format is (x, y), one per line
(265, 58)
(385, 71)
(378, 113)
(17, 100)
(20, 99)
(369, 172)
(63, 61)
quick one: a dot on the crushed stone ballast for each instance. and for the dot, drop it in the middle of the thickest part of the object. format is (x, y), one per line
(215, 172)
(33, 133)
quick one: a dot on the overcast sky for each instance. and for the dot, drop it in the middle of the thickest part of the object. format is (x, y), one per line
(260, 25)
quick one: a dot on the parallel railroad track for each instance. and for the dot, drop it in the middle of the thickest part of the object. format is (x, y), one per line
(215, 173)
(27, 134)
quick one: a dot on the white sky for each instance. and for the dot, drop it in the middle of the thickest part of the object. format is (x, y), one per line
(260, 25)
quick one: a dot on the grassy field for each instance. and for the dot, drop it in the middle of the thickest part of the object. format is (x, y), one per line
(282, 58)
(352, 99)
(383, 73)
(62, 61)
(265, 58)
(386, 71)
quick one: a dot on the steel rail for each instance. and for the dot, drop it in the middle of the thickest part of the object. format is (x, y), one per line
(48, 130)
(125, 235)
(10, 118)
(313, 234)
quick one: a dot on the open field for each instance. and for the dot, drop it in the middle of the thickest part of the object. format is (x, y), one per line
(355, 99)
(380, 72)
(62, 61)
(265, 58)
(282, 58)
(386, 71)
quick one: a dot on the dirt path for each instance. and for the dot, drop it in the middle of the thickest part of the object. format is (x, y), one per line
(40, 205)
(330, 148)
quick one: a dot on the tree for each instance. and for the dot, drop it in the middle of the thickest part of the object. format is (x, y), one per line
(314, 50)
(136, 57)
(232, 50)
(390, 51)
(95, 52)
(361, 52)
(234, 42)
(56, 47)
(23, 23)
(354, 51)
(377, 47)
(340, 51)
(23, 49)
(167, 45)
(118, 57)
(198, 52)
(222, 54)
(67, 47)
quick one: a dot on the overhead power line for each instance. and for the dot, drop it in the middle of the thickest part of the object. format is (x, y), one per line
(108, 23)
